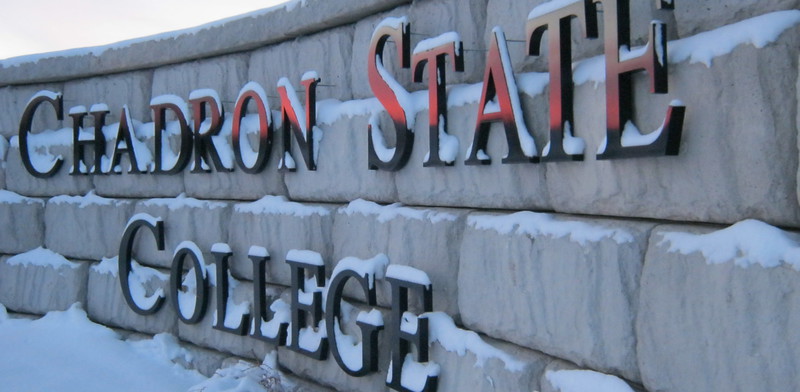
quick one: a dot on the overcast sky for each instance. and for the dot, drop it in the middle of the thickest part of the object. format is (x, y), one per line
(37, 26)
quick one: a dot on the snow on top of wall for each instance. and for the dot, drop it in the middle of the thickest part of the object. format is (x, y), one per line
(443, 330)
(8, 197)
(99, 50)
(540, 224)
(181, 201)
(548, 7)
(746, 243)
(585, 381)
(41, 257)
(392, 211)
(91, 199)
(442, 39)
(704, 47)
(280, 205)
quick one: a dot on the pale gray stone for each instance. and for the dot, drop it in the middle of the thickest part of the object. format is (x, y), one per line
(32, 287)
(2, 176)
(280, 228)
(13, 100)
(185, 219)
(715, 326)
(702, 15)
(86, 227)
(428, 240)
(342, 171)
(226, 75)
(106, 304)
(22, 224)
(567, 286)
(499, 185)
(19, 180)
(720, 154)
(469, 372)
(131, 89)
(328, 53)
(203, 333)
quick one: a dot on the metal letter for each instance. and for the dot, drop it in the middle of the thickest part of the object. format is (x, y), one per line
(619, 91)
(292, 126)
(221, 259)
(159, 126)
(497, 84)
(260, 303)
(404, 137)
(175, 280)
(559, 51)
(300, 310)
(402, 340)
(125, 137)
(264, 131)
(437, 91)
(25, 124)
(369, 332)
(126, 255)
(203, 142)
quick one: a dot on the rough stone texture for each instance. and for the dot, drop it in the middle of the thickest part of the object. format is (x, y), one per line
(465, 372)
(328, 53)
(20, 181)
(131, 89)
(329, 373)
(232, 36)
(21, 225)
(2, 176)
(573, 299)
(701, 15)
(279, 232)
(87, 231)
(342, 172)
(203, 333)
(720, 155)
(106, 305)
(226, 75)
(718, 326)
(185, 219)
(13, 100)
(429, 242)
(32, 288)
(518, 186)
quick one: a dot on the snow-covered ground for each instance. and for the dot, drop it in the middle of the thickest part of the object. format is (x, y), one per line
(65, 351)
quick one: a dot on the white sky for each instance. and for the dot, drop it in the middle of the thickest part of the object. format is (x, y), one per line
(38, 26)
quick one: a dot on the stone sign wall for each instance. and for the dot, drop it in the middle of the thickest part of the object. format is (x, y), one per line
(671, 273)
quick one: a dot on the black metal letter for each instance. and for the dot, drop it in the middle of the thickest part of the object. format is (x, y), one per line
(156, 226)
(254, 92)
(619, 91)
(175, 280)
(559, 51)
(293, 127)
(260, 303)
(221, 258)
(25, 124)
(301, 310)
(159, 126)
(203, 142)
(499, 83)
(124, 137)
(404, 137)
(369, 332)
(401, 340)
